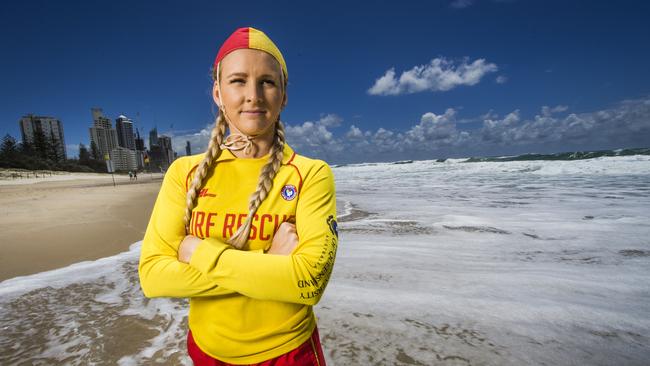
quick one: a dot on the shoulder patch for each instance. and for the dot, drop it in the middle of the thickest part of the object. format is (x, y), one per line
(288, 192)
(333, 225)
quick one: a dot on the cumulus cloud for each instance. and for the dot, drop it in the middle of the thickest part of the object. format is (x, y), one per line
(499, 130)
(315, 136)
(331, 120)
(198, 140)
(440, 74)
(354, 133)
(613, 125)
(309, 134)
(547, 111)
(488, 115)
(626, 124)
(433, 128)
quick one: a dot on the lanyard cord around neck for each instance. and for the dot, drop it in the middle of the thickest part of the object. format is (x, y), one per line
(238, 141)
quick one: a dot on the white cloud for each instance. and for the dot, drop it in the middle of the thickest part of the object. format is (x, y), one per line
(354, 133)
(384, 140)
(198, 140)
(309, 134)
(331, 120)
(498, 131)
(547, 111)
(386, 84)
(626, 124)
(315, 137)
(501, 79)
(489, 115)
(312, 135)
(434, 128)
(439, 75)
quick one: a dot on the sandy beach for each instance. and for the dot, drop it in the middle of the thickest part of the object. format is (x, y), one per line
(52, 222)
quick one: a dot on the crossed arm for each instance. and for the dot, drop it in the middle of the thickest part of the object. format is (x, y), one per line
(174, 265)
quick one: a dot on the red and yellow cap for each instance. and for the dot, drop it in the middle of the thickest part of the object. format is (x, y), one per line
(249, 37)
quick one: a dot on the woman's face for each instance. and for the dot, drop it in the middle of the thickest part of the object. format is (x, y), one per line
(251, 91)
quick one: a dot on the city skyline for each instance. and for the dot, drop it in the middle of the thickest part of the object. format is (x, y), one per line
(126, 139)
(120, 147)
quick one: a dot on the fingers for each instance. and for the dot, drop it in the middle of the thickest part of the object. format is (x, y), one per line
(284, 240)
(288, 226)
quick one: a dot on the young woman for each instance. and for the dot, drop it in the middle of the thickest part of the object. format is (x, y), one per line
(246, 230)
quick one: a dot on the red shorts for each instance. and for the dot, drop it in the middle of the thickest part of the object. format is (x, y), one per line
(310, 353)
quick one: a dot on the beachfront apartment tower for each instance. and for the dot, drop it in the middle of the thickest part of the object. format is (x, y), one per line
(103, 134)
(50, 127)
(161, 154)
(124, 159)
(125, 136)
(139, 142)
(153, 137)
(165, 143)
(99, 121)
(139, 149)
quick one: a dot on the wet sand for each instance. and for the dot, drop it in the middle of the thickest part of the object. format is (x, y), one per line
(89, 323)
(56, 222)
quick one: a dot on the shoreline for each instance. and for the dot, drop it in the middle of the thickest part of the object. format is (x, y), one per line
(55, 223)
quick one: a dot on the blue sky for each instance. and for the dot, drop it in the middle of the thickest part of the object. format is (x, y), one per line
(368, 81)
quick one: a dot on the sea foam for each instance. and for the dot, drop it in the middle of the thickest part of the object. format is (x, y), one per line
(495, 263)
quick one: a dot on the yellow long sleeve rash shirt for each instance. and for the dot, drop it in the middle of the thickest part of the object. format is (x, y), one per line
(246, 306)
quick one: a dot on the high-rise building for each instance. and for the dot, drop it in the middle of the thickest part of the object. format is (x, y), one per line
(125, 137)
(161, 155)
(165, 143)
(153, 138)
(102, 133)
(50, 127)
(99, 120)
(139, 149)
(139, 142)
(188, 149)
(124, 159)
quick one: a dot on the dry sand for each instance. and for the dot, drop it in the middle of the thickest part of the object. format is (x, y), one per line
(54, 222)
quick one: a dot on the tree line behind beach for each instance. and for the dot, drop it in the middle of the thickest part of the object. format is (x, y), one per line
(42, 154)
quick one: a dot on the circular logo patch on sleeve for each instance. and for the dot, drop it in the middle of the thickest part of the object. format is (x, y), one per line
(288, 192)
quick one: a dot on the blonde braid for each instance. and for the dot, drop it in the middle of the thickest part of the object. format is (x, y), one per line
(213, 152)
(264, 185)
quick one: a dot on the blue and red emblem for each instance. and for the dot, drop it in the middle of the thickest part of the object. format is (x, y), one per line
(288, 192)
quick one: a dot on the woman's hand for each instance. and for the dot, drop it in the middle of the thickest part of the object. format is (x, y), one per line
(284, 240)
(187, 247)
